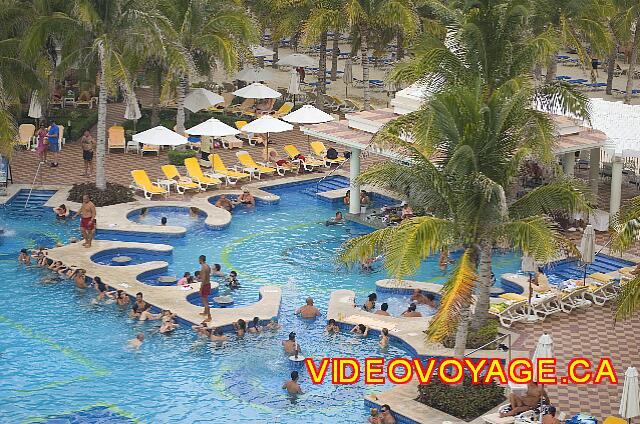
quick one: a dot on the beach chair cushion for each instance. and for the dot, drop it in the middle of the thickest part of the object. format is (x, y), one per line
(601, 277)
(219, 167)
(247, 161)
(513, 297)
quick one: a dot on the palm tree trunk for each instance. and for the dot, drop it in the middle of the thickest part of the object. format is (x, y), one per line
(364, 49)
(155, 99)
(101, 178)
(400, 46)
(611, 68)
(632, 62)
(322, 70)
(461, 333)
(335, 51)
(552, 68)
(183, 84)
(484, 286)
(275, 48)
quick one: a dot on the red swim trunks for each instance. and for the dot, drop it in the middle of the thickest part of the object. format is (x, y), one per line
(205, 289)
(87, 223)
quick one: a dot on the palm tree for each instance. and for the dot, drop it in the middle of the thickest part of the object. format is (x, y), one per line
(366, 18)
(207, 31)
(629, 22)
(465, 153)
(625, 229)
(112, 34)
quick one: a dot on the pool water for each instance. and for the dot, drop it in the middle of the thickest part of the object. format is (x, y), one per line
(63, 353)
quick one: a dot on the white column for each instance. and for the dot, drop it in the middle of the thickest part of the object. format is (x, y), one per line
(354, 171)
(568, 163)
(616, 185)
(594, 170)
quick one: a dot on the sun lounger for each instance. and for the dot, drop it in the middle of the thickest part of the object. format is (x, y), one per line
(272, 160)
(231, 142)
(320, 150)
(142, 182)
(218, 167)
(575, 299)
(250, 166)
(252, 139)
(512, 313)
(116, 138)
(25, 135)
(547, 304)
(514, 297)
(195, 173)
(600, 294)
(224, 106)
(148, 148)
(308, 164)
(283, 110)
(182, 183)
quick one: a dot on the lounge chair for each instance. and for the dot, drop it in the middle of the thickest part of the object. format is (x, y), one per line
(148, 148)
(116, 138)
(601, 293)
(575, 299)
(253, 168)
(351, 106)
(218, 167)
(195, 173)
(231, 142)
(272, 158)
(142, 182)
(251, 138)
(243, 107)
(320, 150)
(283, 110)
(25, 135)
(85, 99)
(512, 313)
(308, 164)
(514, 297)
(547, 304)
(182, 183)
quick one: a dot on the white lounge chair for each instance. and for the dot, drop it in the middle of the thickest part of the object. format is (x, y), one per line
(575, 299)
(600, 294)
(547, 304)
(515, 312)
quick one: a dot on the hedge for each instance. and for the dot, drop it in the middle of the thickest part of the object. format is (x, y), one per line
(114, 194)
(177, 157)
(477, 338)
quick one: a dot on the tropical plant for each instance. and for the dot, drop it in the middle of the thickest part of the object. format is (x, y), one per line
(465, 152)
(113, 34)
(208, 32)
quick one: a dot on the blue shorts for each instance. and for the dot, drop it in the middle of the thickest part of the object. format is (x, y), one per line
(53, 145)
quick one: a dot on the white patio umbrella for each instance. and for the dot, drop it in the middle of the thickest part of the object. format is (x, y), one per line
(260, 51)
(267, 124)
(294, 85)
(35, 108)
(254, 75)
(588, 248)
(160, 136)
(297, 59)
(257, 91)
(529, 266)
(347, 76)
(212, 128)
(630, 400)
(132, 111)
(544, 349)
(308, 114)
(201, 98)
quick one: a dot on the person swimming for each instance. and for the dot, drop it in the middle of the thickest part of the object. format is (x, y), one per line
(24, 257)
(370, 304)
(308, 310)
(335, 220)
(273, 324)
(411, 312)
(384, 338)
(232, 281)
(218, 336)
(168, 322)
(422, 299)
(61, 212)
(163, 221)
(383, 310)
(224, 203)
(240, 327)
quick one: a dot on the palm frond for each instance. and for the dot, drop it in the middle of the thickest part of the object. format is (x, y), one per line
(628, 300)
(561, 195)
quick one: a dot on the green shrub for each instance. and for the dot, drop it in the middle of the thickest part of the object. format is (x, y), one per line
(177, 157)
(114, 194)
(465, 401)
(477, 338)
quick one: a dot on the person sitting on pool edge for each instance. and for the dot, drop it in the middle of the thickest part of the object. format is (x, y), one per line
(292, 385)
(246, 198)
(24, 257)
(332, 326)
(361, 330)
(411, 312)
(224, 203)
(291, 346)
(335, 220)
(308, 310)
(383, 310)
(422, 299)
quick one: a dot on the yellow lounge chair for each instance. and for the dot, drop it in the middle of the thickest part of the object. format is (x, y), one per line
(116, 138)
(142, 182)
(249, 165)
(308, 164)
(514, 297)
(253, 139)
(271, 158)
(283, 110)
(25, 135)
(320, 150)
(218, 167)
(148, 148)
(182, 183)
(196, 174)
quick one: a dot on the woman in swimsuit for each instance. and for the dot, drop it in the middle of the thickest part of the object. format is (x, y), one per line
(241, 327)
(256, 327)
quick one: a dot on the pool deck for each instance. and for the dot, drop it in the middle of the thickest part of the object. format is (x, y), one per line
(162, 297)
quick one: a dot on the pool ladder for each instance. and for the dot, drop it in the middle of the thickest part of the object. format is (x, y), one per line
(35, 177)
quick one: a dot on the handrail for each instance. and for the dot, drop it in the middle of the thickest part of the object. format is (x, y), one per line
(35, 177)
(507, 336)
(342, 164)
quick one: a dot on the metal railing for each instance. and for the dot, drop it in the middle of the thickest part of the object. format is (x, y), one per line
(504, 336)
(35, 177)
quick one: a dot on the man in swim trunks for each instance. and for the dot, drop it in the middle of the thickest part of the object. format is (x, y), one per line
(205, 286)
(308, 310)
(292, 385)
(291, 346)
(87, 214)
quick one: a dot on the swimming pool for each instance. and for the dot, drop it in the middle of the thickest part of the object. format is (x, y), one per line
(62, 353)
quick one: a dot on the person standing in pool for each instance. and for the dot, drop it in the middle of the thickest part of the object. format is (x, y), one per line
(291, 346)
(292, 385)
(308, 310)
(205, 287)
(383, 310)
(87, 214)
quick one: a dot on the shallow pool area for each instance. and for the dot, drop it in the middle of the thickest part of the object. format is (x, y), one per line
(180, 377)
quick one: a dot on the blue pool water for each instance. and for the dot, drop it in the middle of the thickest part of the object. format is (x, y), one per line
(571, 269)
(63, 355)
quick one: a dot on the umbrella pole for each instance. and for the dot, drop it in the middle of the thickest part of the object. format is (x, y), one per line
(584, 278)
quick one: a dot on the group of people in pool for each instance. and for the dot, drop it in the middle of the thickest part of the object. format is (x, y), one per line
(245, 198)
(417, 298)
